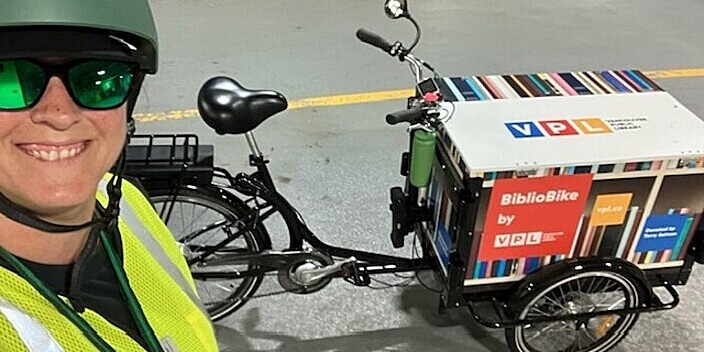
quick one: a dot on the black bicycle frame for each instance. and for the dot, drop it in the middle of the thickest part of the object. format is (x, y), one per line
(299, 233)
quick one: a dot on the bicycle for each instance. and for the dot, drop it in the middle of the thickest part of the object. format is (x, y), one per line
(229, 250)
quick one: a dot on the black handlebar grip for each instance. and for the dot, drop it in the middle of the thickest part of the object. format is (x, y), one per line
(373, 39)
(412, 115)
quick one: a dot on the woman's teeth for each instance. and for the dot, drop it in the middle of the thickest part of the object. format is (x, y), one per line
(55, 154)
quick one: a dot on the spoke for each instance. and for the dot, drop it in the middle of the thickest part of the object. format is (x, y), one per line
(541, 331)
(601, 283)
(590, 293)
(552, 335)
(554, 302)
(562, 293)
(610, 306)
(555, 295)
(589, 335)
(600, 303)
(203, 225)
(591, 284)
(204, 241)
(183, 223)
(540, 312)
(595, 289)
(193, 214)
(224, 288)
(618, 303)
(578, 341)
(609, 285)
(579, 288)
(551, 300)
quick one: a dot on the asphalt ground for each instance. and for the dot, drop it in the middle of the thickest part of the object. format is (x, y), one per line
(336, 162)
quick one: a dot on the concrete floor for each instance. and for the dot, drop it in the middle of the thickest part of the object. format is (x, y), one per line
(336, 164)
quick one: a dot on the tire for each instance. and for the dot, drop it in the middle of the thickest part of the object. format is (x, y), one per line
(570, 292)
(195, 209)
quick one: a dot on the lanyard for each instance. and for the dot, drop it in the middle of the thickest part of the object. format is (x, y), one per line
(68, 312)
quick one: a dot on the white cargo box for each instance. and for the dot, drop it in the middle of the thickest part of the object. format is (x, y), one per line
(572, 165)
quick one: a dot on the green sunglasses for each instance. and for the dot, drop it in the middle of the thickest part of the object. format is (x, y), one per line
(92, 84)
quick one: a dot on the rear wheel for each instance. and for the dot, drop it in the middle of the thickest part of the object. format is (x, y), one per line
(575, 293)
(199, 219)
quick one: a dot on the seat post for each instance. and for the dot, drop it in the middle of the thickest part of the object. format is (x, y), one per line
(253, 145)
(257, 160)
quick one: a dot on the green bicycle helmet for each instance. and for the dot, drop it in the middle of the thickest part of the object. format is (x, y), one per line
(80, 29)
(104, 29)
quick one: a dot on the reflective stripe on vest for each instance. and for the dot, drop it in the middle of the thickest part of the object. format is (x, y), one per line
(34, 335)
(157, 273)
(150, 249)
(157, 251)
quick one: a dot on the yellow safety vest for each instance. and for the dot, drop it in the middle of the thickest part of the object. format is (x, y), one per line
(157, 273)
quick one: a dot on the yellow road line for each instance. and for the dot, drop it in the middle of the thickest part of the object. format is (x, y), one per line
(370, 97)
(347, 99)
(681, 73)
(166, 115)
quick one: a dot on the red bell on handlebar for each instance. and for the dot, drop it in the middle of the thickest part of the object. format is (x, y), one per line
(432, 97)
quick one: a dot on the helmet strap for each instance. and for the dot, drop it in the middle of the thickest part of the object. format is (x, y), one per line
(27, 217)
(114, 189)
(132, 100)
(108, 216)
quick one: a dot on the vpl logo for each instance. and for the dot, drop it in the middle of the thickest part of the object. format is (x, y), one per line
(556, 128)
(518, 239)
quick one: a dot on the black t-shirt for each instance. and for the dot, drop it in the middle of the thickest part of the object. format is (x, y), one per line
(90, 283)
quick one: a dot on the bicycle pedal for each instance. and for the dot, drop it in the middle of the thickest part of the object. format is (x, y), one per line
(356, 274)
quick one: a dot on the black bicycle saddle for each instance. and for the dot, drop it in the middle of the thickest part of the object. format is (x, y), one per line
(229, 108)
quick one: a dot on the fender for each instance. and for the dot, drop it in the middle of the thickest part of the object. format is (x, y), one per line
(225, 196)
(576, 265)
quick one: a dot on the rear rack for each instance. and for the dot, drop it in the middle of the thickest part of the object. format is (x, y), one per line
(168, 160)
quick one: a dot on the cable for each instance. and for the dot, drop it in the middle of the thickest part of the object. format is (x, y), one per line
(417, 277)
(417, 27)
(387, 285)
(403, 276)
(449, 114)
(425, 285)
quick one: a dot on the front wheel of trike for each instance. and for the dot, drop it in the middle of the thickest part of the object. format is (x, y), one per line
(589, 290)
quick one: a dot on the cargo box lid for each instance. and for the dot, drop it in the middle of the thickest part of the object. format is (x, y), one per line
(510, 134)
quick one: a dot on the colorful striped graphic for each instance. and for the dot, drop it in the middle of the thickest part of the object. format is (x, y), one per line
(594, 236)
(544, 85)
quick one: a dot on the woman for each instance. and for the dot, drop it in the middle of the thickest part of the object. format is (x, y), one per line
(85, 263)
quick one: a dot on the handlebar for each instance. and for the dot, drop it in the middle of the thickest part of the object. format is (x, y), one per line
(413, 116)
(424, 112)
(374, 40)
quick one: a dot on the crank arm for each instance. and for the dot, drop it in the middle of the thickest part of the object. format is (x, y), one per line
(308, 276)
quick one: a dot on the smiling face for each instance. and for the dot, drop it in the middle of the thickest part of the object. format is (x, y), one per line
(53, 155)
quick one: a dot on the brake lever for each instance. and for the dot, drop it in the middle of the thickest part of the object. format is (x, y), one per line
(420, 126)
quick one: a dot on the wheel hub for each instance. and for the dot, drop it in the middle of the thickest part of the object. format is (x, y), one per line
(295, 276)
(298, 274)
(578, 303)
